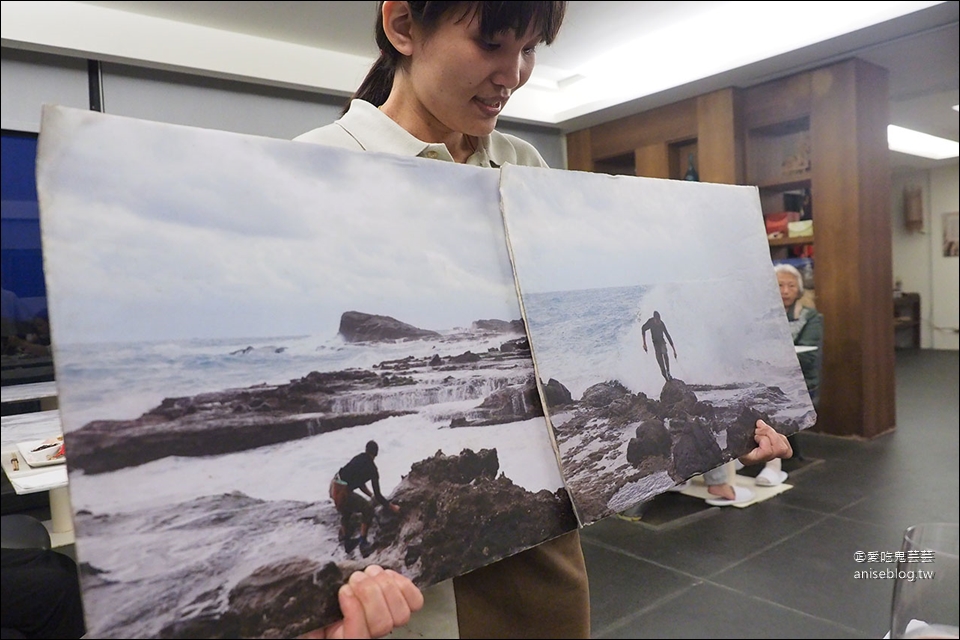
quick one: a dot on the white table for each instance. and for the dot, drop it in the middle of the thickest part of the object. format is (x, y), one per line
(29, 426)
(26, 479)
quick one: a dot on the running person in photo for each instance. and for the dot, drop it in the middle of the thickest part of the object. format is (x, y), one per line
(356, 474)
(660, 337)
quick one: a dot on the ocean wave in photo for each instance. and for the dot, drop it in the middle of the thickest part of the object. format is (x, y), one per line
(120, 381)
(588, 336)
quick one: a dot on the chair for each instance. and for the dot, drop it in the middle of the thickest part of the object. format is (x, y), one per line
(810, 361)
(22, 531)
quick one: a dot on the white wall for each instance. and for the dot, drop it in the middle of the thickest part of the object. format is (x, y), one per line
(30, 79)
(918, 256)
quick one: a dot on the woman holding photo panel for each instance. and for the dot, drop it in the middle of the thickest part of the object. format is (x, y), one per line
(445, 72)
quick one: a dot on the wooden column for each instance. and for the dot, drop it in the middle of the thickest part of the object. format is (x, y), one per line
(719, 139)
(652, 160)
(851, 181)
(579, 151)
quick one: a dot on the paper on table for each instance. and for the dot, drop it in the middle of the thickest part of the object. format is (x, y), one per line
(48, 480)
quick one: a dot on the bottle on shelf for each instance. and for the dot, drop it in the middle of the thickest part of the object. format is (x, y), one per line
(691, 173)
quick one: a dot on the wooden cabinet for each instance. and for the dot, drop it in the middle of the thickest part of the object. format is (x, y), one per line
(906, 320)
(820, 133)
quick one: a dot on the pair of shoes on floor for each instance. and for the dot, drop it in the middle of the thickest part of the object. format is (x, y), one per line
(770, 477)
(742, 495)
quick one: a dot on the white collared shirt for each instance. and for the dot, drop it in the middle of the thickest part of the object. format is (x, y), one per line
(365, 128)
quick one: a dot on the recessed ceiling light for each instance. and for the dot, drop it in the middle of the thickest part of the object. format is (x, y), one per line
(956, 107)
(920, 144)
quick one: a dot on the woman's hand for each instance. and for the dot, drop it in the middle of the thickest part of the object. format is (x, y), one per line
(374, 602)
(770, 445)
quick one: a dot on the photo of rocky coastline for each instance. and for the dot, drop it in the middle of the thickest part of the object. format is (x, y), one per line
(235, 320)
(442, 414)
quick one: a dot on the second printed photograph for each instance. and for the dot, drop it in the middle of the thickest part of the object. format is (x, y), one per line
(656, 326)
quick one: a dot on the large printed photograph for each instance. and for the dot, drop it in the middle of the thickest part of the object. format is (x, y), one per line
(657, 329)
(279, 362)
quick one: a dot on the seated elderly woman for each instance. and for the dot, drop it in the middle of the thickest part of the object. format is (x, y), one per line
(806, 328)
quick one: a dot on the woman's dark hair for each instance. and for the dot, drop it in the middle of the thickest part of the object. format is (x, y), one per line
(495, 18)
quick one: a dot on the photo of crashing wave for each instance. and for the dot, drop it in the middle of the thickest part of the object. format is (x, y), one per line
(656, 326)
(628, 430)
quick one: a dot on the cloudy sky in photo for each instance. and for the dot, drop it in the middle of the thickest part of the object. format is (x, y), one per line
(154, 231)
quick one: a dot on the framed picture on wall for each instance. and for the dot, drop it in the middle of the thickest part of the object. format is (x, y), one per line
(951, 234)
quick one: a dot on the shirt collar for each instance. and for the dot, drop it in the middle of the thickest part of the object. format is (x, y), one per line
(376, 131)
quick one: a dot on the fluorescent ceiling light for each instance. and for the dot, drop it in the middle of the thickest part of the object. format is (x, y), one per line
(920, 144)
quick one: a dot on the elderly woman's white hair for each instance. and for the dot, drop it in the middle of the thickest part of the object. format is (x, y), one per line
(792, 270)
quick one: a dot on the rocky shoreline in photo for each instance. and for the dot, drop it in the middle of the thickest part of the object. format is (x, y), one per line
(247, 554)
(667, 440)
(465, 493)
(235, 420)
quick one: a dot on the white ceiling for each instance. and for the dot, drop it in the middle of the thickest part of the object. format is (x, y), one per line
(919, 48)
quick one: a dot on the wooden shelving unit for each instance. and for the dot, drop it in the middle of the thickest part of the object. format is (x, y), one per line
(790, 242)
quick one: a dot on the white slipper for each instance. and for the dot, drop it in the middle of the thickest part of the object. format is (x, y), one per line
(743, 495)
(770, 477)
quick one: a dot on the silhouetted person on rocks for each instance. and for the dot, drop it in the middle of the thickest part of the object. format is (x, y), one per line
(352, 476)
(658, 331)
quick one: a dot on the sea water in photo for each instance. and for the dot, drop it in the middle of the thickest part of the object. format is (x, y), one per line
(584, 337)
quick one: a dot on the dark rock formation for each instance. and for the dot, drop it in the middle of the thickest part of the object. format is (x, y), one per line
(306, 588)
(458, 512)
(500, 326)
(676, 397)
(517, 344)
(740, 436)
(465, 357)
(695, 449)
(364, 327)
(666, 440)
(226, 421)
(652, 439)
(555, 394)
(510, 404)
(603, 394)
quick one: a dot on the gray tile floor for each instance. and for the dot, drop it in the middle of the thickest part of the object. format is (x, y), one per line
(784, 568)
